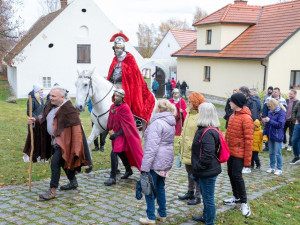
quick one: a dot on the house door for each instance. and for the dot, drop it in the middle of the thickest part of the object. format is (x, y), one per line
(160, 77)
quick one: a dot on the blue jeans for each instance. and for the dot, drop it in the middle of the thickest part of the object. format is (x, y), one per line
(159, 185)
(275, 154)
(183, 93)
(154, 92)
(207, 188)
(296, 140)
(168, 94)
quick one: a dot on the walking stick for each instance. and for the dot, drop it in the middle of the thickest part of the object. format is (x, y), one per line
(32, 144)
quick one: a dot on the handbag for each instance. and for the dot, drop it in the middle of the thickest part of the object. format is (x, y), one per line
(147, 183)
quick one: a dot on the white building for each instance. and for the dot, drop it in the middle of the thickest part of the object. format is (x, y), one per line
(78, 34)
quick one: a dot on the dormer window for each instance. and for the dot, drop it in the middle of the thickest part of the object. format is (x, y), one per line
(208, 37)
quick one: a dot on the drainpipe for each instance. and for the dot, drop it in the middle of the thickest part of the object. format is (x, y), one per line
(265, 74)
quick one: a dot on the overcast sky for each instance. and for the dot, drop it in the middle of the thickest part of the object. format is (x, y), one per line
(127, 14)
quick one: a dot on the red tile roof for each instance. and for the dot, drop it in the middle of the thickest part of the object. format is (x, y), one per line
(277, 23)
(31, 34)
(183, 37)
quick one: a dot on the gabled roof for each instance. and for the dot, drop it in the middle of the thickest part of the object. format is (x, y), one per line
(239, 12)
(277, 23)
(36, 28)
(183, 37)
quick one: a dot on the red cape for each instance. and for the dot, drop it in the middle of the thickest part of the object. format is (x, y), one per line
(121, 117)
(137, 95)
(181, 104)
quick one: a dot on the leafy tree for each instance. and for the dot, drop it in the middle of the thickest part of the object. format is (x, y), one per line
(199, 14)
(146, 40)
(10, 31)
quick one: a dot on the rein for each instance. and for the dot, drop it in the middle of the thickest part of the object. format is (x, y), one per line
(91, 87)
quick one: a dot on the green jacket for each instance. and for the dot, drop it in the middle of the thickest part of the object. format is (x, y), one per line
(187, 136)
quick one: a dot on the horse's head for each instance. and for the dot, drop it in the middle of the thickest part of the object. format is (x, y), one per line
(84, 88)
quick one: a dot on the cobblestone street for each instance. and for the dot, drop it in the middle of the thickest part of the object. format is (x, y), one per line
(94, 203)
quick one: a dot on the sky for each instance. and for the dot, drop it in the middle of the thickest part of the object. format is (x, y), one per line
(126, 15)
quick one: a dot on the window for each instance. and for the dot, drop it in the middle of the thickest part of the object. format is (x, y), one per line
(206, 73)
(295, 79)
(208, 37)
(83, 53)
(47, 82)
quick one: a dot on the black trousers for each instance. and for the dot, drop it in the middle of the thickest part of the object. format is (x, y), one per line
(56, 163)
(255, 159)
(290, 125)
(235, 167)
(114, 162)
(102, 138)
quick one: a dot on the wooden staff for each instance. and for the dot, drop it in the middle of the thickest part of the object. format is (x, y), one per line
(32, 143)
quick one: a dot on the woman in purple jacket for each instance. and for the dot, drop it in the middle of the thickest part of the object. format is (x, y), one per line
(274, 125)
(158, 157)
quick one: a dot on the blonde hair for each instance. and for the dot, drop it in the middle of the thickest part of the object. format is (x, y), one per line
(166, 106)
(272, 103)
(208, 116)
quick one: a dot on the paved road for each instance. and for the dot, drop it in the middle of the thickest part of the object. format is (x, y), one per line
(94, 203)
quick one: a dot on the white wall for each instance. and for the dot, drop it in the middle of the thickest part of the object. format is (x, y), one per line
(226, 75)
(166, 48)
(222, 35)
(60, 62)
(281, 62)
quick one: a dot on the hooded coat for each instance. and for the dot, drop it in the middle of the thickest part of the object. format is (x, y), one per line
(239, 135)
(257, 137)
(159, 143)
(37, 108)
(179, 118)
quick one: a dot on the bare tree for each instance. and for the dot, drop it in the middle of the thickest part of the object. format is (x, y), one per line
(146, 40)
(199, 14)
(172, 23)
(49, 6)
(10, 31)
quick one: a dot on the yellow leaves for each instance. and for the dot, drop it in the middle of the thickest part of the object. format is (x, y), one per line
(1, 176)
(44, 171)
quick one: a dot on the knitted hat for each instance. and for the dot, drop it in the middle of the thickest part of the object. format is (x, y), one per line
(239, 99)
(196, 99)
(270, 88)
(37, 87)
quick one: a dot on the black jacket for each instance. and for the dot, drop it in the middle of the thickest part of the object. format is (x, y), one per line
(37, 108)
(207, 165)
(183, 86)
(252, 105)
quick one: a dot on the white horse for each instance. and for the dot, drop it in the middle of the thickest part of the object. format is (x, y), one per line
(100, 91)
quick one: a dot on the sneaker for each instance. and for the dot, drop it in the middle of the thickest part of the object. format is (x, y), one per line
(160, 218)
(257, 167)
(270, 170)
(295, 160)
(289, 148)
(246, 170)
(284, 146)
(246, 211)
(278, 172)
(145, 220)
(231, 201)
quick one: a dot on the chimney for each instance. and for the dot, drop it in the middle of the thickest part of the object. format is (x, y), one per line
(63, 3)
(240, 2)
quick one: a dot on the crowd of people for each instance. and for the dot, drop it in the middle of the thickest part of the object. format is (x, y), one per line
(58, 133)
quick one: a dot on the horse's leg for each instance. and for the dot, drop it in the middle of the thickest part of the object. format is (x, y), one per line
(94, 134)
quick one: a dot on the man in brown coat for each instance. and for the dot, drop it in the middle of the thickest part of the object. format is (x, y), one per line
(58, 133)
(239, 137)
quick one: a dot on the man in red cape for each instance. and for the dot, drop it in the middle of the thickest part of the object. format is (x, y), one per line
(126, 142)
(124, 73)
(181, 113)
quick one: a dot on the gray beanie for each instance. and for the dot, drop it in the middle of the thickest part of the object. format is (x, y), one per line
(37, 87)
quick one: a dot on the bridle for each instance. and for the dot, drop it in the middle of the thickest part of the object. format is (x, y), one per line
(86, 98)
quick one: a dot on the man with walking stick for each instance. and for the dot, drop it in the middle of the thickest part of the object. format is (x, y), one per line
(58, 134)
(181, 113)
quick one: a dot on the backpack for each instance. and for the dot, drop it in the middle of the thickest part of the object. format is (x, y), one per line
(224, 152)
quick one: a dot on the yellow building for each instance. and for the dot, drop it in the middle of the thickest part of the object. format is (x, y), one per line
(243, 45)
